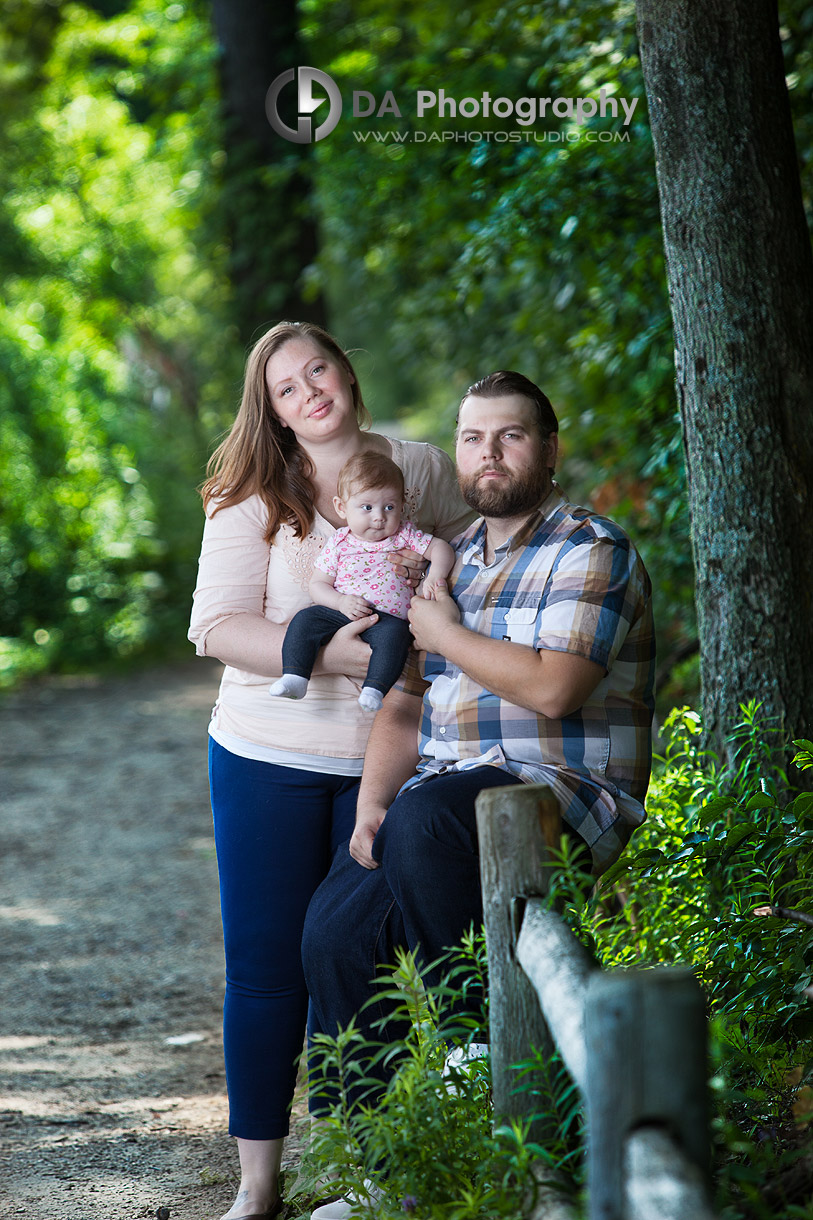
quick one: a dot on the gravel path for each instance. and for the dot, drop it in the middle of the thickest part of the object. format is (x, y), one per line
(113, 1094)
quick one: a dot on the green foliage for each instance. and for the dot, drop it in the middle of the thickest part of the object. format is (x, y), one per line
(449, 259)
(428, 1143)
(110, 382)
(722, 848)
(718, 845)
(441, 259)
(543, 256)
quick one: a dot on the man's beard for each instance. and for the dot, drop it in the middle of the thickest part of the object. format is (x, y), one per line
(520, 493)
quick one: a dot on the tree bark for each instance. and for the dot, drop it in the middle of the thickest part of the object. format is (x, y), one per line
(741, 284)
(267, 189)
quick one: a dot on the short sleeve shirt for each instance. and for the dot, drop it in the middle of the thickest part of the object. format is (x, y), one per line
(362, 568)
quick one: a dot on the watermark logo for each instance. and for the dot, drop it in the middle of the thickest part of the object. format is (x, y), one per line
(306, 104)
(529, 113)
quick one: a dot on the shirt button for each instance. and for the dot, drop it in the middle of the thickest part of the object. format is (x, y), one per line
(443, 730)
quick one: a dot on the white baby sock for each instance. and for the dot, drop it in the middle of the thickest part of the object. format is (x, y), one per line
(289, 686)
(370, 698)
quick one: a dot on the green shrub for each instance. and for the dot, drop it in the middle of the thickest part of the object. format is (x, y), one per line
(428, 1143)
(721, 851)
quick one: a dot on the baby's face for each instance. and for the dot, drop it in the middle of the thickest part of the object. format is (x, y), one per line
(374, 515)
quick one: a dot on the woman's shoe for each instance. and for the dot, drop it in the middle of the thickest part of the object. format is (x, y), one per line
(269, 1215)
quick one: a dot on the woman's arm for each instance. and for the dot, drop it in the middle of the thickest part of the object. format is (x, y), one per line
(248, 642)
(228, 620)
(253, 644)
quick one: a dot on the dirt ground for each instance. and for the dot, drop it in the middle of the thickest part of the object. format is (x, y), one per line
(113, 1092)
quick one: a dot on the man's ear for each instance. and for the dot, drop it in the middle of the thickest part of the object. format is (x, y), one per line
(338, 508)
(553, 451)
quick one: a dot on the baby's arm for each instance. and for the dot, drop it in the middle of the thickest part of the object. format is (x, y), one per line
(441, 562)
(323, 593)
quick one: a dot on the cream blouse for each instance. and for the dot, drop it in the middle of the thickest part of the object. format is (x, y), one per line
(239, 573)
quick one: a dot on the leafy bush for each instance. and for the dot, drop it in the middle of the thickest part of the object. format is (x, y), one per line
(722, 853)
(428, 1143)
(715, 880)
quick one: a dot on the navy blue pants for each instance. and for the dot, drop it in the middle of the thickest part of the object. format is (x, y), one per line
(424, 896)
(276, 829)
(311, 628)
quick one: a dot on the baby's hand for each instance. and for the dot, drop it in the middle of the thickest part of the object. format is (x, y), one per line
(355, 607)
(427, 589)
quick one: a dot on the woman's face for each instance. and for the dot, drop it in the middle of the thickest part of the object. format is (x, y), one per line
(310, 391)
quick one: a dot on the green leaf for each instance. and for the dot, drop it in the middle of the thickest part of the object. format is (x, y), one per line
(760, 800)
(803, 804)
(739, 834)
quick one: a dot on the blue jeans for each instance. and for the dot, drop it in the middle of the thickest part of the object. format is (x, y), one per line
(312, 627)
(424, 896)
(276, 829)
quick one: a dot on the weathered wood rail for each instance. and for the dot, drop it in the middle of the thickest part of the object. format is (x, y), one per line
(634, 1041)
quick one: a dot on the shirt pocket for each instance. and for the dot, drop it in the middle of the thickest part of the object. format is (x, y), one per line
(520, 624)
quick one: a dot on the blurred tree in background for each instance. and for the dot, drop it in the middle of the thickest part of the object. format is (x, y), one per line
(123, 329)
(265, 189)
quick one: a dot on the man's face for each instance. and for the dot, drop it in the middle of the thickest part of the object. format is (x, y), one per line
(503, 461)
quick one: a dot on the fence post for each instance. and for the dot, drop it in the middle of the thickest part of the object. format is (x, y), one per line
(516, 826)
(661, 1181)
(646, 1063)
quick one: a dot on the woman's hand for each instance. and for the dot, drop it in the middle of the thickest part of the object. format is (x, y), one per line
(409, 564)
(347, 653)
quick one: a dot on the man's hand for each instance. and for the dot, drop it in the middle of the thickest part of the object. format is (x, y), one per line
(431, 621)
(368, 821)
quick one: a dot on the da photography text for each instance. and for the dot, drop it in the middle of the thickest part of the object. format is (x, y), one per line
(312, 90)
(524, 110)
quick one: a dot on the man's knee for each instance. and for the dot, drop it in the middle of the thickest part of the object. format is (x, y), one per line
(424, 822)
(343, 922)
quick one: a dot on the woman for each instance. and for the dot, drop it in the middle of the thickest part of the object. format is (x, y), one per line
(283, 774)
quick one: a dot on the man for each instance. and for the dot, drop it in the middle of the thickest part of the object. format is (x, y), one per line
(540, 669)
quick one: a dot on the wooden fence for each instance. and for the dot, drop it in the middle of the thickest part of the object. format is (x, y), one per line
(634, 1041)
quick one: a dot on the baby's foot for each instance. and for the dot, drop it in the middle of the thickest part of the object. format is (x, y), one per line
(370, 698)
(289, 686)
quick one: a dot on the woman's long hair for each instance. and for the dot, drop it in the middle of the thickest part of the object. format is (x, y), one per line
(260, 456)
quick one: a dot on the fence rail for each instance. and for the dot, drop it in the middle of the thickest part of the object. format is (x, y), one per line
(634, 1041)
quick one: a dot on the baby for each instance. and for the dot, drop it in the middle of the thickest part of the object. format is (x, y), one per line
(353, 576)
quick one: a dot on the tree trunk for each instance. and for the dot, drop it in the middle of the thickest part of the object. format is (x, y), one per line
(741, 284)
(267, 192)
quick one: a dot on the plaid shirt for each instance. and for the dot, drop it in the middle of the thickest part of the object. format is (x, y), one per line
(572, 582)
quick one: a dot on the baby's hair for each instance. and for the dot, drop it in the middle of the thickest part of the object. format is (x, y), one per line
(369, 471)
